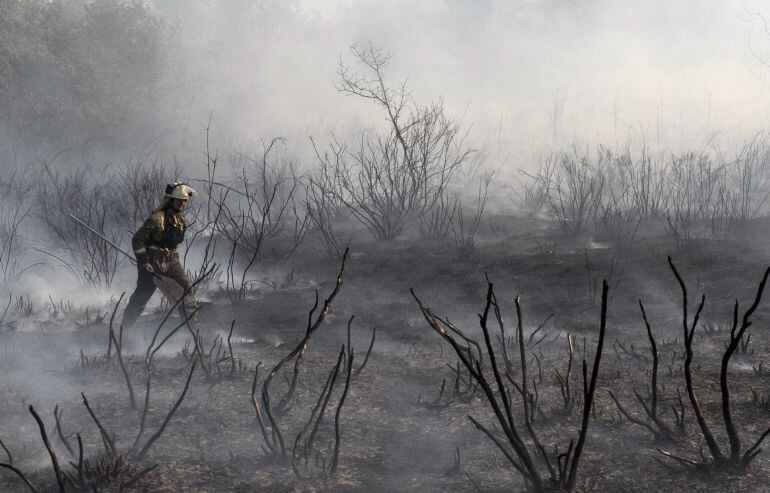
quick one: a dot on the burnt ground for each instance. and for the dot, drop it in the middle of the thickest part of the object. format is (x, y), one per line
(397, 432)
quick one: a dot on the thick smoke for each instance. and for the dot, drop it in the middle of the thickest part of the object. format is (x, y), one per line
(522, 75)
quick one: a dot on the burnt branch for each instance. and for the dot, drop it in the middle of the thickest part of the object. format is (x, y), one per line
(145, 409)
(258, 411)
(526, 396)
(316, 416)
(7, 452)
(336, 453)
(588, 396)
(49, 447)
(561, 469)
(304, 441)
(735, 461)
(20, 475)
(60, 432)
(230, 348)
(119, 350)
(110, 335)
(688, 331)
(654, 424)
(274, 439)
(630, 417)
(152, 350)
(736, 334)
(564, 381)
(147, 446)
(368, 353)
(109, 445)
(299, 351)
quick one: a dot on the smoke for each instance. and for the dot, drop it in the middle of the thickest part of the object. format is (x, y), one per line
(522, 75)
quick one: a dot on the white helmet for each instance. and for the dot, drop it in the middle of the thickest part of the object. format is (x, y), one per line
(179, 190)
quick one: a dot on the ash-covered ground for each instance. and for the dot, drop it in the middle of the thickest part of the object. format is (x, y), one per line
(398, 430)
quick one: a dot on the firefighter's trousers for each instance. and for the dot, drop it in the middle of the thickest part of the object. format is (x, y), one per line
(171, 278)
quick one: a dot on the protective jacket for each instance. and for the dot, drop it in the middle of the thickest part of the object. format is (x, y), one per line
(160, 235)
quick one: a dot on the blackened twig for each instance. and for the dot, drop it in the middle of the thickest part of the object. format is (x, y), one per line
(7, 452)
(20, 475)
(230, 347)
(588, 398)
(170, 414)
(49, 447)
(109, 445)
(112, 319)
(335, 457)
(60, 432)
(368, 353)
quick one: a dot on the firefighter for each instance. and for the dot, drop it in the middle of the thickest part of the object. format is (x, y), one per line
(156, 247)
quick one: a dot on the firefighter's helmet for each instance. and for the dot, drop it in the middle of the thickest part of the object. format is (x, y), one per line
(179, 190)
